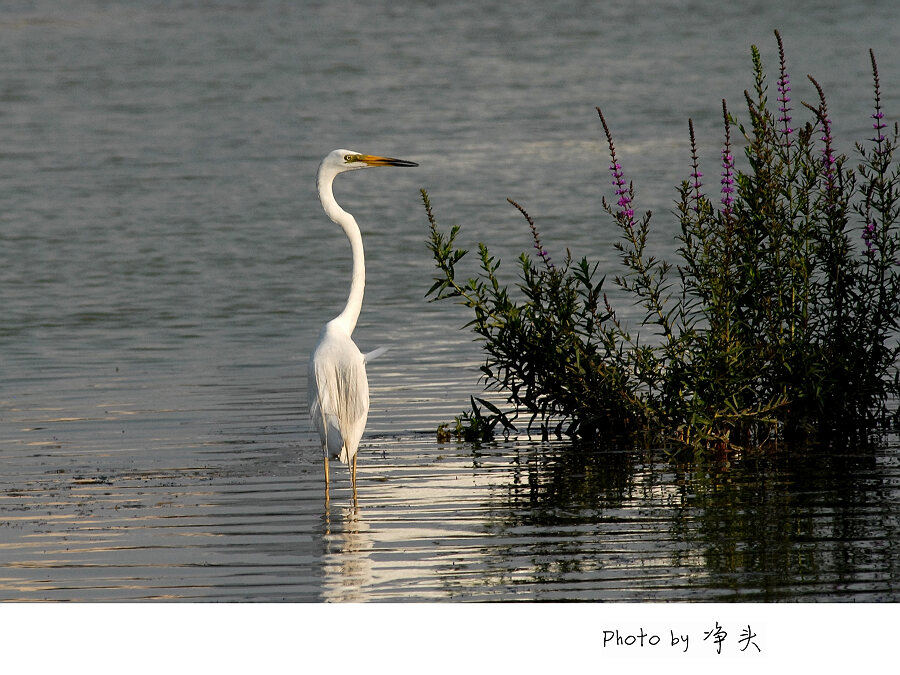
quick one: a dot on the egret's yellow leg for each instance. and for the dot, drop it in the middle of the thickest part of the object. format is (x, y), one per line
(326, 477)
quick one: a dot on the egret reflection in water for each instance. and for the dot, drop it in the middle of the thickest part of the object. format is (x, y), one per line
(346, 563)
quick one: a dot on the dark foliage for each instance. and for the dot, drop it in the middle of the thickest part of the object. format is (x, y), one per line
(779, 321)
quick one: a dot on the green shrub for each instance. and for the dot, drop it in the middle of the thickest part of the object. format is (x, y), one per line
(779, 321)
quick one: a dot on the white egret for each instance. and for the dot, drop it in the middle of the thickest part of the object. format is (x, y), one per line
(338, 387)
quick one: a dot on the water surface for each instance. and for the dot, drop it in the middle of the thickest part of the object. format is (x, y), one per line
(165, 268)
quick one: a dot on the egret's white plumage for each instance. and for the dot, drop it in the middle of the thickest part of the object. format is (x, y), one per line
(338, 386)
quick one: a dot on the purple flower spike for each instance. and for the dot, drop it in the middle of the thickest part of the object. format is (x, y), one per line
(878, 115)
(624, 190)
(829, 160)
(784, 96)
(696, 175)
(878, 126)
(727, 165)
(536, 237)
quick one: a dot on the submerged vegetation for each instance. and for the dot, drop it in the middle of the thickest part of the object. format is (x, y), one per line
(778, 322)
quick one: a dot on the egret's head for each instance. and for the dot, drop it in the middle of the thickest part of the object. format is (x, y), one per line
(350, 160)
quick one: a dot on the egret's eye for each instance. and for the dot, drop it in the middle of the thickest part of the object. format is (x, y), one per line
(351, 158)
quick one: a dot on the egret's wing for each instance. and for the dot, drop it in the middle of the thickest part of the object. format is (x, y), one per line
(339, 401)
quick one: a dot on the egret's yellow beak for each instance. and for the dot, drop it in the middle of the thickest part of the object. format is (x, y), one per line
(374, 160)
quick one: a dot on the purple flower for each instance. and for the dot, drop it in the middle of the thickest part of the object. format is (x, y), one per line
(868, 237)
(878, 126)
(624, 190)
(544, 255)
(727, 178)
(784, 97)
(829, 161)
(696, 175)
(542, 252)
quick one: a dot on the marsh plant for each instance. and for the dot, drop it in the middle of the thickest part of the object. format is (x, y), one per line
(779, 320)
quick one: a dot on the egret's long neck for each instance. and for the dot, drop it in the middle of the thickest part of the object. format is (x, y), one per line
(348, 317)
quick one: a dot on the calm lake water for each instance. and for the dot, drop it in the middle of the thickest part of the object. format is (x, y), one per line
(165, 267)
